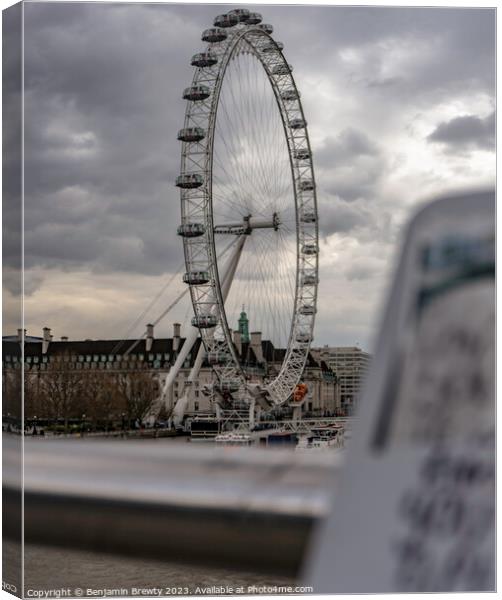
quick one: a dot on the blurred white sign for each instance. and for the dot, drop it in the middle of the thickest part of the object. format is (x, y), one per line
(415, 510)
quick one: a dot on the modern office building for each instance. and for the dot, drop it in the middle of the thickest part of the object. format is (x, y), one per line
(349, 365)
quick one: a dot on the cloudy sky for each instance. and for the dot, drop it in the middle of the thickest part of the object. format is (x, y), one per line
(400, 104)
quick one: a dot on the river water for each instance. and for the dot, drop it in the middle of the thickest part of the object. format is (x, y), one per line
(92, 574)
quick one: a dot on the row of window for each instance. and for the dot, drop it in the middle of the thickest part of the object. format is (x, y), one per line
(157, 364)
(91, 358)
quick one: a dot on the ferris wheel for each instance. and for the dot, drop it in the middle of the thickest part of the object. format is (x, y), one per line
(248, 205)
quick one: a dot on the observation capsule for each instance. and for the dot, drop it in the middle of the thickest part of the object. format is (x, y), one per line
(204, 321)
(254, 18)
(227, 20)
(272, 47)
(309, 249)
(214, 35)
(306, 185)
(308, 217)
(196, 277)
(191, 134)
(189, 181)
(241, 13)
(302, 154)
(290, 95)
(191, 230)
(297, 123)
(303, 338)
(266, 28)
(196, 92)
(217, 357)
(307, 309)
(309, 279)
(203, 59)
(282, 69)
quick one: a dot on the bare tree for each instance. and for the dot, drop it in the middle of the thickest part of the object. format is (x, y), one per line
(12, 392)
(138, 390)
(61, 390)
(102, 399)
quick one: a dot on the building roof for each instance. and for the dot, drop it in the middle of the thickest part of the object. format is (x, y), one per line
(162, 346)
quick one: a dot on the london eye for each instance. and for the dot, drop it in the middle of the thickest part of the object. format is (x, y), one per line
(249, 220)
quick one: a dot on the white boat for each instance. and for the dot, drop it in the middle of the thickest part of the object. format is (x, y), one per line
(233, 439)
(322, 438)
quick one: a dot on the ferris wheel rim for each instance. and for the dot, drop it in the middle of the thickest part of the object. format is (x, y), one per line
(278, 73)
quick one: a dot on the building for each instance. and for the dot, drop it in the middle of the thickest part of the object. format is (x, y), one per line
(113, 380)
(349, 365)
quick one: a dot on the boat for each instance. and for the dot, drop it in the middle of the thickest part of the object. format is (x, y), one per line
(322, 438)
(233, 439)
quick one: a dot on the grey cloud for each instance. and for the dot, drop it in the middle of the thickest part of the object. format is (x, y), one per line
(103, 104)
(347, 145)
(360, 272)
(350, 165)
(467, 131)
(340, 217)
(438, 62)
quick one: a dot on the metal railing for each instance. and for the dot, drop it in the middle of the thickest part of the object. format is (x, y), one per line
(245, 508)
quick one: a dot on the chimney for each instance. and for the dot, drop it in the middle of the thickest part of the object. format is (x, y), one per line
(149, 337)
(46, 340)
(238, 342)
(176, 336)
(256, 345)
(21, 335)
(64, 338)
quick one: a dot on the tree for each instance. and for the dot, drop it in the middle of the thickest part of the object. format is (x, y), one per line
(12, 390)
(102, 399)
(138, 391)
(61, 389)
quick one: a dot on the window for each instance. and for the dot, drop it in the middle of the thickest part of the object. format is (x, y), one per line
(196, 406)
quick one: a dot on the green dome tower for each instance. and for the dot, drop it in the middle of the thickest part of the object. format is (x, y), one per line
(244, 326)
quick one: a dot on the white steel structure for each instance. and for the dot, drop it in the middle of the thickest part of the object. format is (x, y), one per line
(246, 171)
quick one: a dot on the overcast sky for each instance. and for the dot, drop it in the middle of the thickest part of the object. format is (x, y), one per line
(400, 104)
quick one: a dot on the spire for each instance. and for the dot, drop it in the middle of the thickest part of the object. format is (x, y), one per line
(244, 326)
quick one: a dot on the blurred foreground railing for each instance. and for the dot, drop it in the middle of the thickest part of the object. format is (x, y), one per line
(237, 507)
